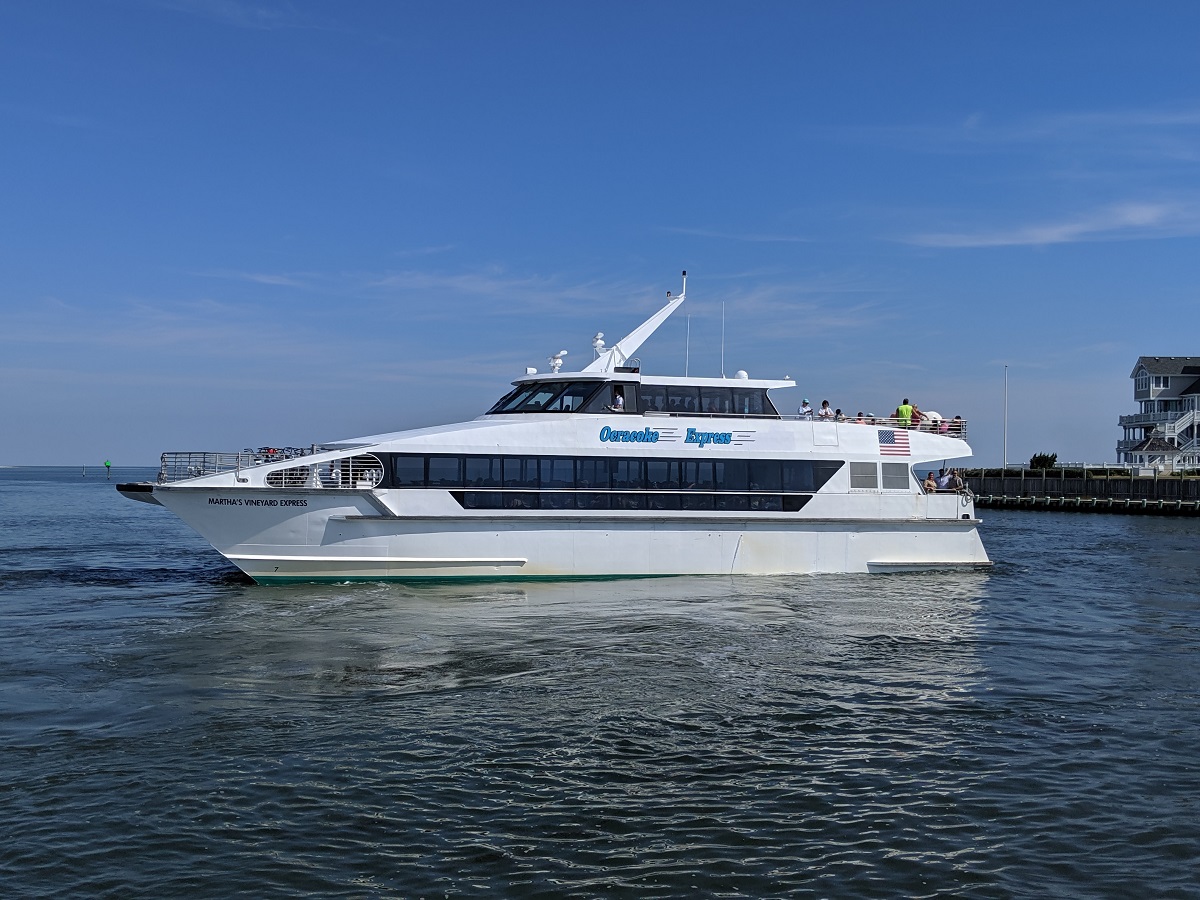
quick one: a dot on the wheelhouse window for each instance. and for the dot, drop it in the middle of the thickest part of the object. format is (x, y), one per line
(513, 399)
(572, 397)
(547, 396)
(615, 396)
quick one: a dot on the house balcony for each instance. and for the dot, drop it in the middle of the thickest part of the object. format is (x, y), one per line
(1154, 418)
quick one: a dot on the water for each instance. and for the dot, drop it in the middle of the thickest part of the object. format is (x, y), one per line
(167, 728)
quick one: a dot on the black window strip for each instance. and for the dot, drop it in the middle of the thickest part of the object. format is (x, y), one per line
(603, 473)
(618, 500)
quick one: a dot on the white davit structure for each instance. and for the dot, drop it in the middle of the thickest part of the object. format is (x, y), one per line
(603, 472)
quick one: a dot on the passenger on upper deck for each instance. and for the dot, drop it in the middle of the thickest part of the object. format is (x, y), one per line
(825, 412)
(805, 411)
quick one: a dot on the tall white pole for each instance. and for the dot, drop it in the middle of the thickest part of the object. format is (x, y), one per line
(1006, 417)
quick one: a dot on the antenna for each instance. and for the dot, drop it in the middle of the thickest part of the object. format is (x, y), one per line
(687, 345)
(722, 338)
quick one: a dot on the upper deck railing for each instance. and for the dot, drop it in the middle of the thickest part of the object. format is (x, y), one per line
(182, 465)
(952, 427)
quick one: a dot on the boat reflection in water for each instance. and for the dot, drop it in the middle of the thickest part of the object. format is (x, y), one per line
(830, 646)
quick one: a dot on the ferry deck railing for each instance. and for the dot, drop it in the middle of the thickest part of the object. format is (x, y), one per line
(362, 471)
(185, 464)
(951, 427)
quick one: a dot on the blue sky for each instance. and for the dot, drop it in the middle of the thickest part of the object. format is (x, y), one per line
(228, 223)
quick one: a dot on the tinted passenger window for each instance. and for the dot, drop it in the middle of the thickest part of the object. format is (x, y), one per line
(797, 475)
(765, 475)
(748, 402)
(716, 401)
(698, 475)
(627, 475)
(662, 475)
(520, 472)
(558, 472)
(823, 470)
(732, 475)
(483, 471)
(445, 471)
(683, 400)
(408, 471)
(653, 398)
(591, 473)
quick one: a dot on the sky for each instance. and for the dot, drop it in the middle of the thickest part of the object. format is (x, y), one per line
(235, 223)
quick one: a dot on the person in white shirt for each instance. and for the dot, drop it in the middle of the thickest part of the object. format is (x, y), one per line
(805, 411)
(825, 412)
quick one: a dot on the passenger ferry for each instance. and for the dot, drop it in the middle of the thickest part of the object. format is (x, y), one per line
(603, 472)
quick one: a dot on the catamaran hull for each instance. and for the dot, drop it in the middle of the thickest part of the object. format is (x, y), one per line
(301, 538)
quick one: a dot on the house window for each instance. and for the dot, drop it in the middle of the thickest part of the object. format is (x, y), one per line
(1162, 381)
(1142, 382)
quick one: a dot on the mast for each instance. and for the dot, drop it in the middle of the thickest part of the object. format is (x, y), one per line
(618, 354)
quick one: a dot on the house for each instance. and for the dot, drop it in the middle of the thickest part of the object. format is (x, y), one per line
(1164, 432)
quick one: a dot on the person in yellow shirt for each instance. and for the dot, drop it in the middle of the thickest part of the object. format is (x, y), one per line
(904, 413)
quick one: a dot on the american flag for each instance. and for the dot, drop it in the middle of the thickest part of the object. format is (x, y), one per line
(893, 443)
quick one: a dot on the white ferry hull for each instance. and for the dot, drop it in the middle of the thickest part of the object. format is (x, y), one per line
(602, 473)
(323, 541)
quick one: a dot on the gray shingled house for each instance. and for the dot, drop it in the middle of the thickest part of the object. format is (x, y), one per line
(1164, 431)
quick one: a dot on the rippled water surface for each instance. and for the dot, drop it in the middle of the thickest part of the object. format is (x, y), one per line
(168, 728)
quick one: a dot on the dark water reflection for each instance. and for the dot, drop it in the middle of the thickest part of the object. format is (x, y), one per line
(168, 729)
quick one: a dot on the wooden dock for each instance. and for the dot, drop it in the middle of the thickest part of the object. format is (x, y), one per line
(1075, 490)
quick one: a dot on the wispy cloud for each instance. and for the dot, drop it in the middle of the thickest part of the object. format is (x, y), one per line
(302, 280)
(243, 14)
(1153, 132)
(752, 238)
(1126, 221)
(424, 251)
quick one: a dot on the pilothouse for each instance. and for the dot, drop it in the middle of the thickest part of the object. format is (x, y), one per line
(602, 472)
